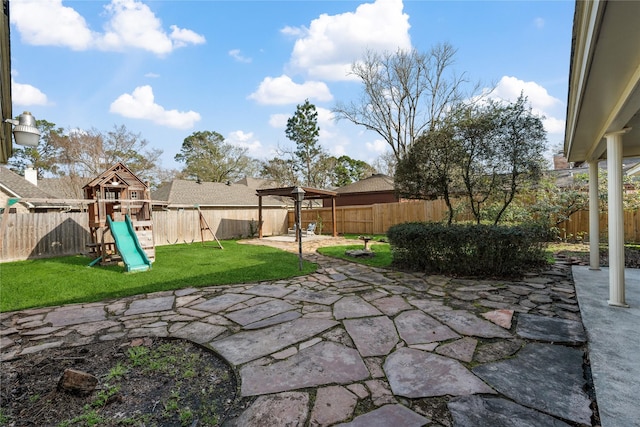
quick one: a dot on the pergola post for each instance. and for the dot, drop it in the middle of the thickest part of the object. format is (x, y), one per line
(333, 217)
(616, 220)
(594, 217)
(259, 217)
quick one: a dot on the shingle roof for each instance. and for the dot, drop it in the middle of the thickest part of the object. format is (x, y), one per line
(377, 182)
(189, 193)
(20, 187)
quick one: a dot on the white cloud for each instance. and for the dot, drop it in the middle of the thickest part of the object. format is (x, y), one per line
(282, 90)
(49, 23)
(131, 24)
(333, 42)
(237, 55)
(509, 88)
(152, 75)
(542, 103)
(25, 95)
(140, 104)
(378, 146)
(539, 23)
(246, 140)
(278, 121)
(183, 37)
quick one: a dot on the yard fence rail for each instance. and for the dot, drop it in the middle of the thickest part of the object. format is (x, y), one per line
(51, 234)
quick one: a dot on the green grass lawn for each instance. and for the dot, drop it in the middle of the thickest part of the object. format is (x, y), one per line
(65, 280)
(382, 250)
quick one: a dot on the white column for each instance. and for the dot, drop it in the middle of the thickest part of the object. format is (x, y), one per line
(594, 217)
(616, 220)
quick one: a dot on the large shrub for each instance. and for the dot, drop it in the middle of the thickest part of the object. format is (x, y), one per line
(467, 249)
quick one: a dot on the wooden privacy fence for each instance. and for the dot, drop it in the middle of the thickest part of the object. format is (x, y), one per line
(376, 219)
(51, 234)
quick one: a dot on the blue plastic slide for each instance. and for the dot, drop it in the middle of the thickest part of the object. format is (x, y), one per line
(133, 256)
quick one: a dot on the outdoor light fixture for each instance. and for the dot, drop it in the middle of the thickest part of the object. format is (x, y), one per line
(298, 196)
(25, 131)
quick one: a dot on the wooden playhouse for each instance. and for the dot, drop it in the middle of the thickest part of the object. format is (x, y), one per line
(119, 195)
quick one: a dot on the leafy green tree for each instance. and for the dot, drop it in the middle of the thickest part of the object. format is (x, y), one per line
(302, 129)
(347, 170)
(282, 171)
(431, 168)
(208, 157)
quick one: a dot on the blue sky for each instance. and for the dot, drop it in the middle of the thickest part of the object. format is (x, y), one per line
(168, 68)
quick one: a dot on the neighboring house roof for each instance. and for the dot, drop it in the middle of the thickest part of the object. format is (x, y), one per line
(257, 183)
(374, 183)
(15, 185)
(62, 188)
(185, 193)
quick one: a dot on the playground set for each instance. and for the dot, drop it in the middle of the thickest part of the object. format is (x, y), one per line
(120, 219)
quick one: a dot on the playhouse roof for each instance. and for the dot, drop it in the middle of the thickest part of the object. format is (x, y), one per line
(121, 173)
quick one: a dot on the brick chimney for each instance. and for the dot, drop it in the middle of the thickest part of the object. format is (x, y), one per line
(560, 162)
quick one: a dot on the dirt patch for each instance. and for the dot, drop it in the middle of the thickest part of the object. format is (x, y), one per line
(579, 254)
(150, 382)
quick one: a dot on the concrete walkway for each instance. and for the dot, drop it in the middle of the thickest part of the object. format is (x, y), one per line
(614, 344)
(359, 346)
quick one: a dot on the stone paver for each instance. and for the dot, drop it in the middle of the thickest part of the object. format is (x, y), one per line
(333, 405)
(415, 373)
(260, 312)
(323, 363)
(351, 307)
(557, 374)
(495, 412)
(548, 329)
(388, 415)
(415, 327)
(373, 336)
(467, 323)
(250, 345)
(319, 349)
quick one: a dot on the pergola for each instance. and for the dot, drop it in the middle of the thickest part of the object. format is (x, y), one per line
(309, 194)
(603, 114)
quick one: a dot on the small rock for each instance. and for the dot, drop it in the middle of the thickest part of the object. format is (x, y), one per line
(77, 382)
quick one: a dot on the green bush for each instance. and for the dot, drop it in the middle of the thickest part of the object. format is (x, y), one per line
(468, 249)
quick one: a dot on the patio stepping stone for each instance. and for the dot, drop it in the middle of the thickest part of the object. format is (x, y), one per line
(150, 305)
(414, 373)
(279, 318)
(550, 329)
(350, 307)
(467, 323)
(333, 404)
(221, 303)
(461, 349)
(75, 316)
(556, 372)
(388, 415)
(259, 312)
(250, 345)
(496, 412)
(316, 297)
(199, 332)
(373, 336)
(392, 305)
(275, 291)
(501, 317)
(323, 363)
(283, 409)
(415, 327)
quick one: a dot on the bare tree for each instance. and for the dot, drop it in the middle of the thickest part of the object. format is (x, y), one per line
(405, 93)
